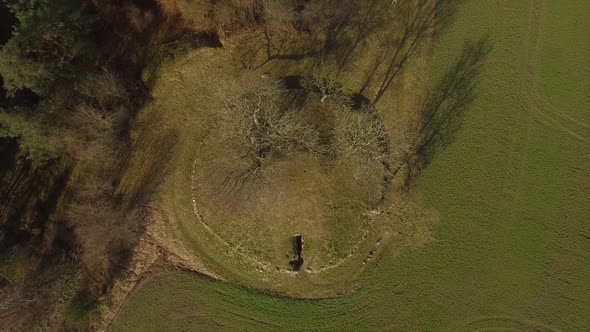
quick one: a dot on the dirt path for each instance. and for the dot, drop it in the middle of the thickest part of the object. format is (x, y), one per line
(497, 323)
(158, 252)
(520, 153)
(539, 106)
(564, 277)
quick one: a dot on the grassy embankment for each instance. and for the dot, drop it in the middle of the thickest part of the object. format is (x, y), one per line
(510, 250)
(183, 146)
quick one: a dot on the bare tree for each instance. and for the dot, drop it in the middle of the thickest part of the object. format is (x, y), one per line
(255, 114)
(326, 80)
(415, 20)
(361, 140)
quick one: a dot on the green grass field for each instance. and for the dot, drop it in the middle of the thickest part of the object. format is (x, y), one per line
(510, 251)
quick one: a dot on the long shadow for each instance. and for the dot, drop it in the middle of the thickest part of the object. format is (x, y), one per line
(155, 168)
(135, 36)
(367, 23)
(417, 21)
(145, 165)
(350, 30)
(347, 31)
(443, 110)
(29, 196)
(273, 48)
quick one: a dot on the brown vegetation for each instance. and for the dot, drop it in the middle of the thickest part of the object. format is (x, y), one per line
(256, 116)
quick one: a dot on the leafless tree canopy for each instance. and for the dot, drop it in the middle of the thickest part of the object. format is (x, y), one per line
(256, 115)
(361, 141)
(327, 81)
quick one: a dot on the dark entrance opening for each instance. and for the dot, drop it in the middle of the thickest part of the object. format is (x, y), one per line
(297, 261)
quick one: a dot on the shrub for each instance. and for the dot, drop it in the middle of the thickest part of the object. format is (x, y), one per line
(30, 131)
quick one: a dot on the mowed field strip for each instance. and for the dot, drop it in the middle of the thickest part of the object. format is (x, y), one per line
(511, 249)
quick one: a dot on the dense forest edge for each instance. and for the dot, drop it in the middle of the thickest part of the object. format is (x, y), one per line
(71, 74)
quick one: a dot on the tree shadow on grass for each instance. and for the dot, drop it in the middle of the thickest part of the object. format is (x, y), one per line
(443, 111)
(146, 164)
(29, 196)
(336, 35)
(416, 21)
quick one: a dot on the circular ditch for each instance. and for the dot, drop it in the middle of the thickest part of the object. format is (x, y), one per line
(306, 212)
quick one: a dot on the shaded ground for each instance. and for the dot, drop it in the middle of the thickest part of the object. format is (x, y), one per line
(7, 20)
